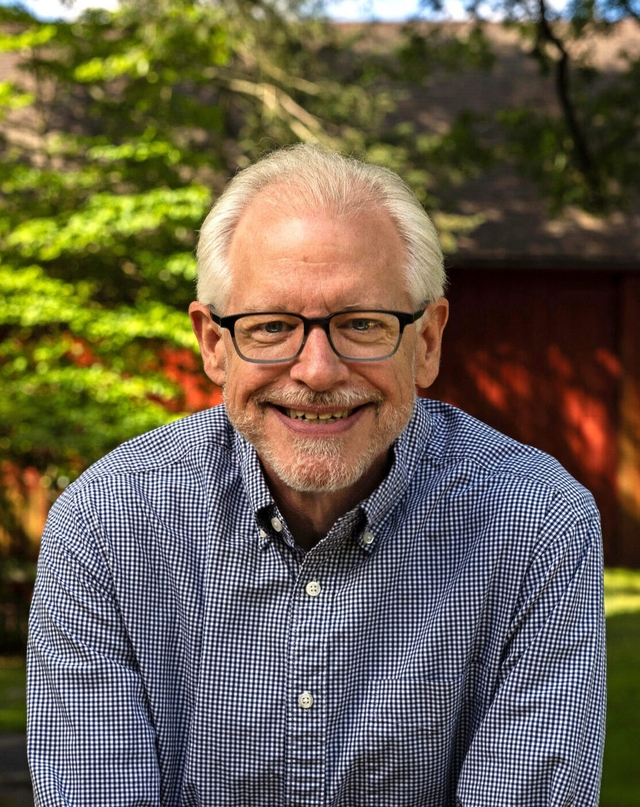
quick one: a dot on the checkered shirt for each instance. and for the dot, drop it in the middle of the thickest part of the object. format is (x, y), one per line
(442, 645)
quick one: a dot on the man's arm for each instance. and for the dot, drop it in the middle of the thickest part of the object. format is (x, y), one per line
(90, 738)
(540, 742)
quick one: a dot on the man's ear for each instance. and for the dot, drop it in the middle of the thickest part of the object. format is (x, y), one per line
(430, 342)
(212, 347)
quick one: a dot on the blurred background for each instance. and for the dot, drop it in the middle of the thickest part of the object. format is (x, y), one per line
(516, 124)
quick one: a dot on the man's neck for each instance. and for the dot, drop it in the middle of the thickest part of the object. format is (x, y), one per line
(310, 516)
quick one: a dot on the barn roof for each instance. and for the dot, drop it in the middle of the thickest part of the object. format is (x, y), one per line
(518, 230)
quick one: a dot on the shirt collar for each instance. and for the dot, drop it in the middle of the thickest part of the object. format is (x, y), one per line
(407, 454)
(252, 476)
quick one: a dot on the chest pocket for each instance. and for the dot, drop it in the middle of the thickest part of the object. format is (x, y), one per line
(401, 744)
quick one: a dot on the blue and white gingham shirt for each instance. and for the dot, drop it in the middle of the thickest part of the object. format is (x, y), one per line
(442, 645)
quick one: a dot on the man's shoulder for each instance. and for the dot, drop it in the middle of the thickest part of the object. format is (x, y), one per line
(165, 446)
(457, 439)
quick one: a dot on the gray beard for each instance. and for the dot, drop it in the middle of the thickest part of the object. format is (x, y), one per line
(318, 465)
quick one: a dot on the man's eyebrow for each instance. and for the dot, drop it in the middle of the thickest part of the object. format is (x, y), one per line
(270, 309)
(275, 309)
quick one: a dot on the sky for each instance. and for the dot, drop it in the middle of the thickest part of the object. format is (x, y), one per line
(339, 9)
(51, 9)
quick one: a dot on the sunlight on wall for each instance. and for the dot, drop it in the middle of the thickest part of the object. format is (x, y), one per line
(554, 396)
(629, 468)
(587, 428)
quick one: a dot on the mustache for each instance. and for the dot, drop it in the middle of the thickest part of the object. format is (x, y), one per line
(337, 399)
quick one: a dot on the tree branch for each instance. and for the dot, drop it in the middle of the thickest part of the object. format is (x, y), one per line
(304, 125)
(584, 158)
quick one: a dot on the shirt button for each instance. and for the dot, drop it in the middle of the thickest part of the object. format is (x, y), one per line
(276, 524)
(263, 534)
(367, 538)
(313, 588)
(305, 701)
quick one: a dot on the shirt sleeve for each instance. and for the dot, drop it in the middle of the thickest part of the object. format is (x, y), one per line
(90, 738)
(541, 740)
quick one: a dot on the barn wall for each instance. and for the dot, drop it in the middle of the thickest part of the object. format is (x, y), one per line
(544, 357)
(629, 431)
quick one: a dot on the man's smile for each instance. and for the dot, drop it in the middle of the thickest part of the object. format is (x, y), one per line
(306, 418)
(321, 417)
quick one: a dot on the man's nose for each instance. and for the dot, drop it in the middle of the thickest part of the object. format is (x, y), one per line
(318, 366)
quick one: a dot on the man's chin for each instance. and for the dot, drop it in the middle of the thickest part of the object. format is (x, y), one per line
(316, 472)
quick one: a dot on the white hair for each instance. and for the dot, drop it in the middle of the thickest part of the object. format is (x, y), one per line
(320, 179)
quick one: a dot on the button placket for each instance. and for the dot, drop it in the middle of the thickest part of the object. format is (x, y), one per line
(307, 723)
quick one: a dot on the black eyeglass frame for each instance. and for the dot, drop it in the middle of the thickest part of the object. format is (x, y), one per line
(307, 323)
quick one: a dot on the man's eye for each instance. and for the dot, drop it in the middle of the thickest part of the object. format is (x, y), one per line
(275, 326)
(271, 328)
(362, 324)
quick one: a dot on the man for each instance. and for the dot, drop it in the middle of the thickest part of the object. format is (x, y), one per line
(326, 592)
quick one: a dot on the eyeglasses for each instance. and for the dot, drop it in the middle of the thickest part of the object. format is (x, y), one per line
(270, 337)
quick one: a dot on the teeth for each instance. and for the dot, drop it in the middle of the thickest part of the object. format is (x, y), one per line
(299, 414)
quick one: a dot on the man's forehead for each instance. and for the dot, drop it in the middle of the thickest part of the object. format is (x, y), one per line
(270, 228)
(357, 258)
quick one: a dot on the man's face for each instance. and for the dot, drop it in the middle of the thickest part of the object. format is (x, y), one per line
(319, 423)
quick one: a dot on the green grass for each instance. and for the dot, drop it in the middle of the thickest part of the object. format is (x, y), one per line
(621, 775)
(621, 591)
(621, 778)
(12, 695)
